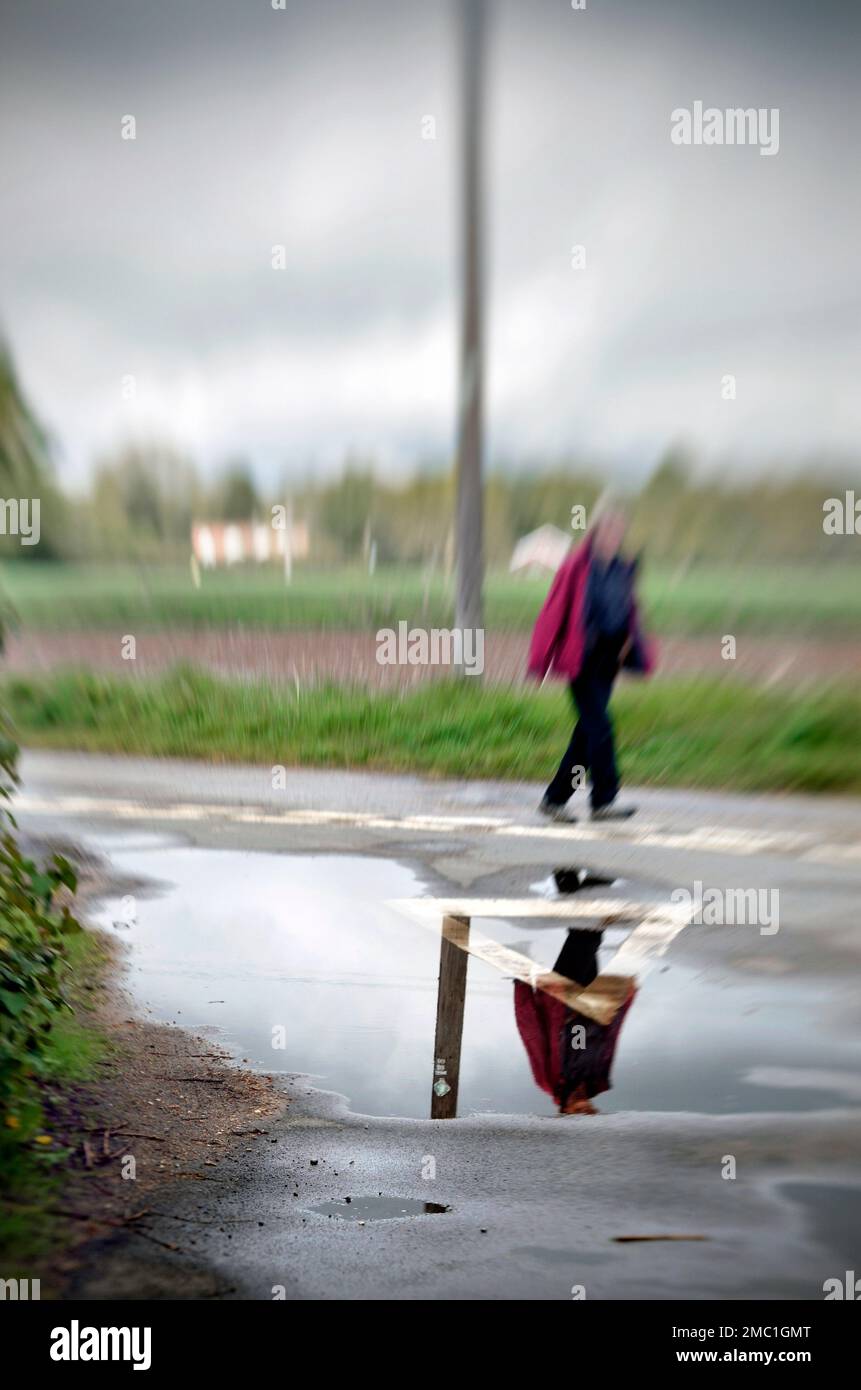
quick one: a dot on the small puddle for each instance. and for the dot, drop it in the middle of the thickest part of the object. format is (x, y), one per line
(298, 966)
(574, 880)
(377, 1208)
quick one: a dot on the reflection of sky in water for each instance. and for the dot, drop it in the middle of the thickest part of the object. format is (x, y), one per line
(305, 942)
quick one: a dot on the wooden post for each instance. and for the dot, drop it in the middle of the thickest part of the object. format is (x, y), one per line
(451, 996)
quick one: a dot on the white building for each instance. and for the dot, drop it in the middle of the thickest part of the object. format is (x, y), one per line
(216, 543)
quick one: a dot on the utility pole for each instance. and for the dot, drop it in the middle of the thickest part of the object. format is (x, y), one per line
(470, 502)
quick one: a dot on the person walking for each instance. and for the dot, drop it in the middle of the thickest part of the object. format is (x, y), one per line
(586, 632)
(570, 1053)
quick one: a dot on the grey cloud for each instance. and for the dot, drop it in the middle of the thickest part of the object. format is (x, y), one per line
(302, 128)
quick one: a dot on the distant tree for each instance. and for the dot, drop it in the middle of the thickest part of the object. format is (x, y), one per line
(671, 476)
(23, 443)
(411, 521)
(347, 506)
(538, 498)
(25, 465)
(142, 500)
(662, 505)
(237, 498)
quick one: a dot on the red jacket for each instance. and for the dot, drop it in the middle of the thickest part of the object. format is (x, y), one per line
(559, 637)
(545, 1024)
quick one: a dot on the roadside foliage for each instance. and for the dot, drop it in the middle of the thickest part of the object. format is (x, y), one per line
(36, 924)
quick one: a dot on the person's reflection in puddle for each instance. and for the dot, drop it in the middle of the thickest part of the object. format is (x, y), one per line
(570, 1054)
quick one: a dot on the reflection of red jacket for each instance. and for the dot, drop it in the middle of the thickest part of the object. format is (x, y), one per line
(559, 638)
(545, 1025)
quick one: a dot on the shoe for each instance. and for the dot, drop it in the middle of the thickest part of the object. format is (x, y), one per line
(612, 812)
(578, 1107)
(554, 811)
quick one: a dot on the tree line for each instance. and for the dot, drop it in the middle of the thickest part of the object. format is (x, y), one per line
(142, 500)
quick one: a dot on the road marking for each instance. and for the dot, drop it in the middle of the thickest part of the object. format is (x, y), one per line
(712, 839)
(657, 925)
(842, 1083)
(609, 910)
(833, 852)
(718, 839)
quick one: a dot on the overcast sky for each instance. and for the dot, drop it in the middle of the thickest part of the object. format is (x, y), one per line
(257, 127)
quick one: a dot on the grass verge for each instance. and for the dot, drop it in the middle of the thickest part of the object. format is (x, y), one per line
(672, 733)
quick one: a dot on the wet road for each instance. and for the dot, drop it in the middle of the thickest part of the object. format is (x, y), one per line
(267, 915)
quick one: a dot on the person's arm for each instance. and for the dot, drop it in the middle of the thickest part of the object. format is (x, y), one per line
(551, 620)
(638, 653)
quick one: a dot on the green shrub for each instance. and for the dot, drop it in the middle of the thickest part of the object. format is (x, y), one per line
(35, 928)
(33, 938)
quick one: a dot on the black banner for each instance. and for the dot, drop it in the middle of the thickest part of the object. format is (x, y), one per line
(66, 1339)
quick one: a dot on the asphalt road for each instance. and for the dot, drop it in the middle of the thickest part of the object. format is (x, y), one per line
(743, 1042)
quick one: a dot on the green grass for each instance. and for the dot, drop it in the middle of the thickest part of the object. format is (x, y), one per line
(672, 733)
(707, 599)
(30, 1171)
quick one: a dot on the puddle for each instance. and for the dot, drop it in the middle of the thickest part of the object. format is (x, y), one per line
(377, 1208)
(725, 1043)
(299, 967)
(561, 883)
(833, 1215)
(304, 944)
(575, 879)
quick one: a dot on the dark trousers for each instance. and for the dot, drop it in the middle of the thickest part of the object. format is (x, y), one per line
(591, 745)
(578, 959)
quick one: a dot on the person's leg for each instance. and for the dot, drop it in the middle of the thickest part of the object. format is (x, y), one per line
(592, 693)
(578, 959)
(561, 788)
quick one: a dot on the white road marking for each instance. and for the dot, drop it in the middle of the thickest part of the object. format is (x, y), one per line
(833, 852)
(712, 839)
(656, 926)
(605, 909)
(841, 1083)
